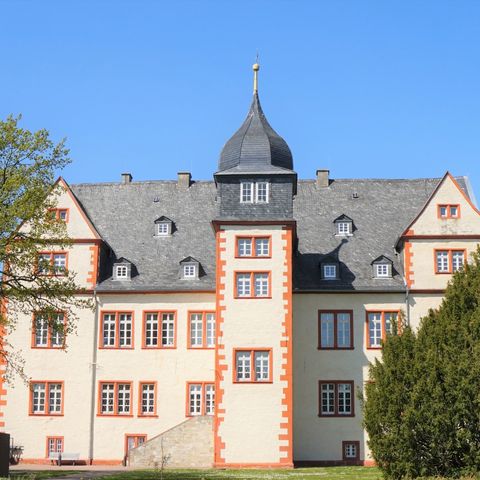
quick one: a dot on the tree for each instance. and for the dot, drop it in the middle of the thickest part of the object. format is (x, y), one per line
(28, 165)
(422, 407)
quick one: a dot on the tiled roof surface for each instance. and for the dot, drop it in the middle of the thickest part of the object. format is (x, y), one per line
(124, 215)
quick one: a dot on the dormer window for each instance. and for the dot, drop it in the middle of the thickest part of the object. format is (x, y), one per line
(122, 269)
(382, 267)
(163, 226)
(189, 268)
(254, 192)
(343, 226)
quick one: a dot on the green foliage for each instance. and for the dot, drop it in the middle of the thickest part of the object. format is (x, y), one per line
(422, 406)
(28, 165)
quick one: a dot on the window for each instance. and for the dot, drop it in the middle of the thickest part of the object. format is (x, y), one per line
(121, 272)
(147, 405)
(448, 211)
(115, 398)
(344, 228)
(336, 399)
(48, 330)
(60, 214)
(254, 192)
(163, 228)
(252, 284)
(189, 271)
(52, 263)
(351, 450)
(117, 330)
(253, 247)
(134, 441)
(201, 398)
(159, 330)
(382, 270)
(201, 330)
(46, 398)
(335, 329)
(54, 445)
(252, 366)
(378, 324)
(329, 271)
(449, 261)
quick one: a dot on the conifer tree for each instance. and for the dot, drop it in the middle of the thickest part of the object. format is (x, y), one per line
(422, 406)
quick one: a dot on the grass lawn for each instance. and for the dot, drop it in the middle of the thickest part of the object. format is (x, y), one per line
(329, 473)
(38, 474)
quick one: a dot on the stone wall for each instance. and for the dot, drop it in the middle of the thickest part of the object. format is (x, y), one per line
(187, 445)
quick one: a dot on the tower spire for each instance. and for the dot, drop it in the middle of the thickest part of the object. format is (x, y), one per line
(256, 68)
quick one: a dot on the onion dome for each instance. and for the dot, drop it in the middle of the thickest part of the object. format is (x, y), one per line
(255, 146)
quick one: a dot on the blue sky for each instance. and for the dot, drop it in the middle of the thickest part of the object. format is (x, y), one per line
(364, 88)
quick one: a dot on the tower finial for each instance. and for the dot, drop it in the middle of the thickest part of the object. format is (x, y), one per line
(256, 68)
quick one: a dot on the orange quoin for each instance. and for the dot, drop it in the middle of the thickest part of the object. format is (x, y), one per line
(233, 319)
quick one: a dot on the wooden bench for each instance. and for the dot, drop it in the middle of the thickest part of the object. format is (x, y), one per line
(59, 457)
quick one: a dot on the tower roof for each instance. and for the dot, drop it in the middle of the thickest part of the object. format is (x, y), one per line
(256, 147)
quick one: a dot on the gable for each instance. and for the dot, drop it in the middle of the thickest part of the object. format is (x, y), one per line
(449, 194)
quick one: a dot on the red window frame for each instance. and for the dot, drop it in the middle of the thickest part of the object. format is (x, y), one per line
(335, 330)
(448, 207)
(336, 413)
(252, 365)
(50, 332)
(55, 439)
(116, 384)
(383, 327)
(204, 345)
(252, 238)
(450, 252)
(56, 212)
(52, 272)
(252, 285)
(357, 446)
(47, 412)
(204, 398)
(136, 437)
(140, 394)
(159, 330)
(117, 313)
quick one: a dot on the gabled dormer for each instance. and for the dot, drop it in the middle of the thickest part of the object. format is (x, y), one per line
(164, 226)
(122, 270)
(190, 268)
(329, 268)
(343, 226)
(382, 267)
(255, 177)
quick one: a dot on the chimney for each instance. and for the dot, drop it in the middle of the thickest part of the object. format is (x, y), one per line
(184, 179)
(127, 178)
(322, 178)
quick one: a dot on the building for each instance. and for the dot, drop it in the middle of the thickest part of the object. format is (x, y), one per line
(234, 319)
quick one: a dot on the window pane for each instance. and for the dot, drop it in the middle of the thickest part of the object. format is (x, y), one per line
(243, 366)
(168, 330)
(262, 247)
(123, 399)
(246, 192)
(209, 399)
(389, 317)
(41, 331)
(343, 330)
(121, 271)
(151, 330)
(38, 398)
(210, 330)
(261, 284)
(196, 339)
(189, 271)
(44, 263)
(55, 397)
(375, 329)
(453, 210)
(350, 450)
(125, 325)
(109, 329)
(262, 192)
(382, 270)
(243, 284)
(457, 260)
(58, 330)
(343, 228)
(329, 271)
(108, 398)
(328, 398)
(326, 330)
(442, 261)
(344, 398)
(195, 399)
(244, 247)
(262, 368)
(443, 210)
(148, 399)
(59, 263)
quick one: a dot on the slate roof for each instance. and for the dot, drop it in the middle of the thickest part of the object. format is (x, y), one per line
(255, 146)
(124, 215)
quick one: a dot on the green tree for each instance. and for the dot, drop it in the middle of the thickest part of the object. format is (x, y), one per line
(29, 162)
(422, 407)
